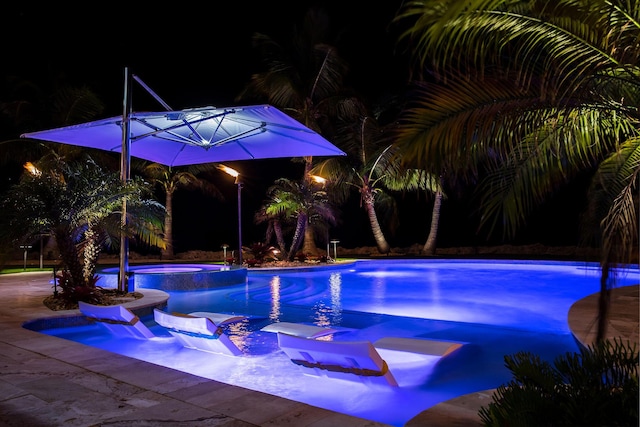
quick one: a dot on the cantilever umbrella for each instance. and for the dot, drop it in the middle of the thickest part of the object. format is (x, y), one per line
(194, 136)
(199, 135)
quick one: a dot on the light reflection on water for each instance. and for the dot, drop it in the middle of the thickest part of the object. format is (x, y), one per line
(274, 314)
(497, 308)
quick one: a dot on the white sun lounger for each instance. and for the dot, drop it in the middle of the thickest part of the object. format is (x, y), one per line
(356, 360)
(117, 319)
(349, 360)
(299, 329)
(195, 332)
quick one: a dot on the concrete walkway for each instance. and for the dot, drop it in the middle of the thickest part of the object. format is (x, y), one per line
(48, 381)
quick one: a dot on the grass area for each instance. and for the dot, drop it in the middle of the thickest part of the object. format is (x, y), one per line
(23, 270)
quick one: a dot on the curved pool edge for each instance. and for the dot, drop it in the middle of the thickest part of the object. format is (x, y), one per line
(141, 307)
(624, 316)
(624, 323)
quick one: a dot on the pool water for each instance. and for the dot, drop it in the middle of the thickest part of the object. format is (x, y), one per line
(495, 308)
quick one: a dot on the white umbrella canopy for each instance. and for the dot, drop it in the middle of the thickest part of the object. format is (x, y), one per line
(199, 135)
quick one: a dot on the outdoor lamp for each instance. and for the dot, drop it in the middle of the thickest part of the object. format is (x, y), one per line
(224, 257)
(32, 169)
(318, 179)
(234, 173)
(335, 250)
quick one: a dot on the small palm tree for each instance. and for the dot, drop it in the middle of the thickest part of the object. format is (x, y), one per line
(565, 393)
(303, 204)
(79, 204)
(274, 224)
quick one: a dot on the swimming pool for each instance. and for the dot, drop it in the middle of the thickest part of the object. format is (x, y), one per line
(494, 307)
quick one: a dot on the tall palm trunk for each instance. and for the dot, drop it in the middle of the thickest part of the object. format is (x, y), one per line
(430, 245)
(167, 251)
(69, 255)
(309, 245)
(277, 228)
(378, 235)
(298, 236)
(91, 251)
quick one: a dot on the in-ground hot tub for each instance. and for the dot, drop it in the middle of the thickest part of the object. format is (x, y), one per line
(176, 277)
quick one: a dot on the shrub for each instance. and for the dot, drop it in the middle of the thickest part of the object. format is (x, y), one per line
(260, 251)
(596, 387)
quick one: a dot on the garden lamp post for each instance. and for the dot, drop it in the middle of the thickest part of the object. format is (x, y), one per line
(224, 257)
(234, 173)
(323, 182)
(335, 250)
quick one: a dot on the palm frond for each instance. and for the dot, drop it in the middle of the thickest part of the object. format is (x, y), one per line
(613, 201)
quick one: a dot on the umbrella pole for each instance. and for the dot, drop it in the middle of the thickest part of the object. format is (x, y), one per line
(125, 174)
(239, 184)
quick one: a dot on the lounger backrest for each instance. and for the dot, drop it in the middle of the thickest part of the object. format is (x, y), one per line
(117, 319)
(199, 333)
(357, 359)
(187, 323)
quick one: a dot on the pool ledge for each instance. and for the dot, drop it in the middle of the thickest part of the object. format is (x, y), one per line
(152, 298)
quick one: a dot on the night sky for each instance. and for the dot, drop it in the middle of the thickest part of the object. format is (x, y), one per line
(194, 56)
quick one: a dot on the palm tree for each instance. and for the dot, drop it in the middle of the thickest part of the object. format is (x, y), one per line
(28, 105)
(415, 180)
(524, 96)
(304, 204)
(79, 204)
(274, 224)
(169, 180)
(371, 168)
(304, 77)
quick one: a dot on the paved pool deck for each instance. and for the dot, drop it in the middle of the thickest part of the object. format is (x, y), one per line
(49, 381)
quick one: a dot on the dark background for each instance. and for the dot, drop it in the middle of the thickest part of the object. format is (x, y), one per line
(195, 55)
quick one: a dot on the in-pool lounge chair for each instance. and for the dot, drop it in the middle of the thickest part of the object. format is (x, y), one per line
(299, 329)
(118, 319)
(197, 332)
(356, 360)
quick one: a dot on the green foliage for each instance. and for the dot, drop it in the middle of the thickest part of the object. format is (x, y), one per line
(303, 203)
(79, 204)
(261, 251)
(522, 98)
(596, 387)
(71, 292)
